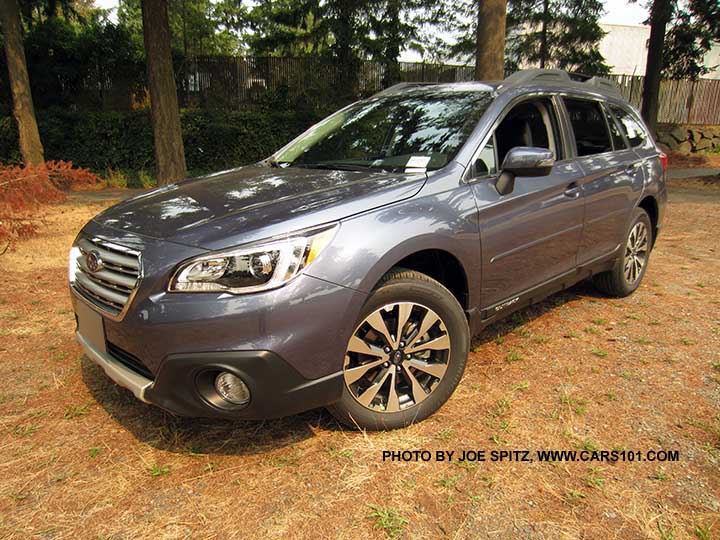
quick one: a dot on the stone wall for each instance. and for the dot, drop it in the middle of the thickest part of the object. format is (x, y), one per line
(689, 139)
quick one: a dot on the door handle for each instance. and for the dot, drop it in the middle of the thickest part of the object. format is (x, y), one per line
(630, 169)
(573, 190)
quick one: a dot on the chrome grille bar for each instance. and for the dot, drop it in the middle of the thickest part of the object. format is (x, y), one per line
(111, 286)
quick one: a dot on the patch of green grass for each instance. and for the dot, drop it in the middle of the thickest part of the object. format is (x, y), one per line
(571, 335)
(521, 386)
(73, 411)
(601, 353)
(599, 322)
(94, 452)
(686, 341)
(467, 465)
(703, 533)
(654, 322)
(626, 374)
(660, 474)
(444, 434)
(643, 341)
(499, 339)
(59, 355)
(447, 482)
(589, 445)
(388, 519)
(25, 430)
(594, 478)
(612, 396)
(574, 495)
(514, 356)
(501, 408)
(497, 439)
(632, 317)
(665, 534)
(540, 339)
(159, 470)
(591, 330)
(715, 366)
(577, 404)
(338, 454)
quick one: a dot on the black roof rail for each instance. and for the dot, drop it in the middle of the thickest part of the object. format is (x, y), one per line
(536, 75)
(527, 76)
(606, 85)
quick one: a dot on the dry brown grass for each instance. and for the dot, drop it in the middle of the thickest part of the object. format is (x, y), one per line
(80, 458)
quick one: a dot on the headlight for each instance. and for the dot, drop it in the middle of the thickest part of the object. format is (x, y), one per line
(252, 268)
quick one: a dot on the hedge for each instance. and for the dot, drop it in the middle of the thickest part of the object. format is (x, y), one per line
(123, 140)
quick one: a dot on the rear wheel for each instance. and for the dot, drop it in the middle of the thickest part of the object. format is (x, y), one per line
(628, 272)
(406, 355)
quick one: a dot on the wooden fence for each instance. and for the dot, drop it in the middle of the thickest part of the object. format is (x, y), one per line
(681, 101)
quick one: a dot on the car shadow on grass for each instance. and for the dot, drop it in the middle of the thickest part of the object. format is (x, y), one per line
(164, 431)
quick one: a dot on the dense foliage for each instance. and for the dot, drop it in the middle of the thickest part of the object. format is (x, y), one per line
(115, 140)
(694, 27)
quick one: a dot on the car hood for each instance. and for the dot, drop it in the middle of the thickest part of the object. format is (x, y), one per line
(255, 202)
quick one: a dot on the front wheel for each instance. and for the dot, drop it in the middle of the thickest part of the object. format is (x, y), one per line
(628, 272)
(406, 355)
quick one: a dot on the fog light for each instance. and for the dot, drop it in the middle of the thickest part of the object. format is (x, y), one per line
(232, 389)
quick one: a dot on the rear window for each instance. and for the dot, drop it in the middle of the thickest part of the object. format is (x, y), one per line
(633, 130)
(588, 123)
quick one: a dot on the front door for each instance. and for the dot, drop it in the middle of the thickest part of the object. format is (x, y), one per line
(530, 235)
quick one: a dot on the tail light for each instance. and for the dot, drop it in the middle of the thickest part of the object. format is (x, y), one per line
(664, 160)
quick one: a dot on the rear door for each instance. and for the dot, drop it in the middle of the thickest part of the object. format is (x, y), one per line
(611, 177)
(530, 235)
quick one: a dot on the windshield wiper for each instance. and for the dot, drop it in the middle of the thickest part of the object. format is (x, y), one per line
(332, 166)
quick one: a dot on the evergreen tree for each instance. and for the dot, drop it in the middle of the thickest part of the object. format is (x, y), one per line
(556, 33)
(694, 26)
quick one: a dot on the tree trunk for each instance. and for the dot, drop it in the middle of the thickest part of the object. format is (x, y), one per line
(543, 35)
(29, 137)
(490, 40)
(659, 17)
(169, 151)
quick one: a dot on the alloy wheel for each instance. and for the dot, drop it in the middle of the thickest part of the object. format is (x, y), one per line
(396, 357)
(636, 251)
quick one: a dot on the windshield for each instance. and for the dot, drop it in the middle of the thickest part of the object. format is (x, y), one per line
(419, 131)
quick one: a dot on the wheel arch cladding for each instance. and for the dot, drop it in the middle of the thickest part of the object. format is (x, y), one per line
(650, 205)
(443, 267)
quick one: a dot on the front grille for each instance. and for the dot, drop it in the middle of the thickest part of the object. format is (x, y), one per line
(129, 360)
(111, 286)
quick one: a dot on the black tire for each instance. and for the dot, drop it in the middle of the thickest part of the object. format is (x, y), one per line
(614, 282)
(398, 286)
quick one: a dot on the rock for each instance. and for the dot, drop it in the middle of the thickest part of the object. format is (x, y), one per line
(664, 147)
(695, 134)
(671, 142)
(708, 133)
(679, 134)
(716, 142)
(703, 144)
(685, 148)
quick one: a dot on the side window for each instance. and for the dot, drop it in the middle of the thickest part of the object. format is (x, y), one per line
(617, 138)
(485, 164)
(633, 130)
(588, 123)
(531, 123)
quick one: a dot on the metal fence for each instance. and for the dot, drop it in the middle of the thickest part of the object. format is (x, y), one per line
(681, 101)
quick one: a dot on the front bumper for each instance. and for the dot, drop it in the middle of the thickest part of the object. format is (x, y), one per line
(276, 389)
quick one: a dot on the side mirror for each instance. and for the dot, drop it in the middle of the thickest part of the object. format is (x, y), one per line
(529, 161)
(523, 161)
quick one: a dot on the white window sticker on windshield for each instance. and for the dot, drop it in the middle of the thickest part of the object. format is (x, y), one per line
(417, 162)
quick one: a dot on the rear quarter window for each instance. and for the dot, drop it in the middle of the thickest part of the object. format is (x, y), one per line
(631, 127)
(589, 126)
